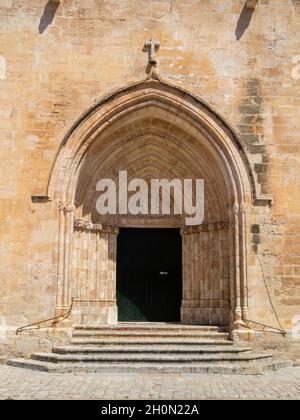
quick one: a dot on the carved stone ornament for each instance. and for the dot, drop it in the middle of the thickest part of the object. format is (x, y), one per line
(206, 227)
(235, 209)
(69, 208)
(66, 207)
(87, 226)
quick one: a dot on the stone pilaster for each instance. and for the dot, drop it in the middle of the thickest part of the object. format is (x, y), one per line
(65, 241)
(94, 273)
(205, 282)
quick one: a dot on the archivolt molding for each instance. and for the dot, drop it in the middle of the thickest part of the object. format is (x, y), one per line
(105, 124)
(186, 159)
(104, 114)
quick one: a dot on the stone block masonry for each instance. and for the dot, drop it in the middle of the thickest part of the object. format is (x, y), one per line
(57, 62)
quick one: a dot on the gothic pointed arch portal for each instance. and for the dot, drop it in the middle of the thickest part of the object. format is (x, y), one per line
(153, 130)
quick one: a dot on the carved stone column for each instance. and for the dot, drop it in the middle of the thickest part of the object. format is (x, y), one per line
(244, 277)
(236, 227)
(60, 268)
(239, 275)
(66, 218)
(240, 308)
(69, 216)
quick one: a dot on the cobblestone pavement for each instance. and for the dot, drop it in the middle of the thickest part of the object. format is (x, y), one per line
(25, 384)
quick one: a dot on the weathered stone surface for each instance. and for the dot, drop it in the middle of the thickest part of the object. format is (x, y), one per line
(57, 62)
(2, 68)
(131, 386)
(157, 355)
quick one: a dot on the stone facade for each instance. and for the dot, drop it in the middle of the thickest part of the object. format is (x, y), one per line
(225, 104)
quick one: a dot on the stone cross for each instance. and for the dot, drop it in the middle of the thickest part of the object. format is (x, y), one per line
(153, 47)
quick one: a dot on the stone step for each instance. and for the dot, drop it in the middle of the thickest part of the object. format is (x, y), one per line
(149, 358)
(150, 333)
(142, 349)
(149, 327)
(250, 369)
(152, 342)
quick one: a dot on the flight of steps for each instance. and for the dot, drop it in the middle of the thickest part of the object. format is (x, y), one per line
(146, 347)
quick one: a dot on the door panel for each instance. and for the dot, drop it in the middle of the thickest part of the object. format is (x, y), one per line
(149, 285)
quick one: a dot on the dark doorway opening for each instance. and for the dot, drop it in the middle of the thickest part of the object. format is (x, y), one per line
(149, 275)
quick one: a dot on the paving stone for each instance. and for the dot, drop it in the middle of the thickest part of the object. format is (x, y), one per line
(23, 384)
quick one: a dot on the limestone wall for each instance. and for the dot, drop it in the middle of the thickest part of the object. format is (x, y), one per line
(58, 58)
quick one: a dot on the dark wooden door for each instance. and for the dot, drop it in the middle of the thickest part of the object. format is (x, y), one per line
(149, 285)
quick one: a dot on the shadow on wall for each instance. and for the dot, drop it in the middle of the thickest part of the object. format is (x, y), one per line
(243, 22)
(48, 15)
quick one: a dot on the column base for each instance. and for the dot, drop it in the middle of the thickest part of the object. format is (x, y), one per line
(94, 313)
(241, 333)
(194, 314)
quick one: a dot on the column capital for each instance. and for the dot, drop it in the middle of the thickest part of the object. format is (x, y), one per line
(66, 207)
(205, 227)
(238, 208)
(88, 226)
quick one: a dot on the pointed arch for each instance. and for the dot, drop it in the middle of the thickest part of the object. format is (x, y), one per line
(103, 113)
(153, 116)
